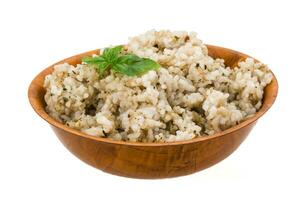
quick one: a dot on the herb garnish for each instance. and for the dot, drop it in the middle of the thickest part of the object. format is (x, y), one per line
(114, 58)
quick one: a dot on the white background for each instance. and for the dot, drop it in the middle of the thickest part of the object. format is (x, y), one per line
(35, 34)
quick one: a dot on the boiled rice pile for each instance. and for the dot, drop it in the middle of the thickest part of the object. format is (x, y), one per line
(191, 95)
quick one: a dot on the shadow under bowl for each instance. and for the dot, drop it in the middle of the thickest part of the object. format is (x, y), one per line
(151, 160)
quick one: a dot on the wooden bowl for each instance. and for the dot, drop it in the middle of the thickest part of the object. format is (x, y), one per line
(151, 160)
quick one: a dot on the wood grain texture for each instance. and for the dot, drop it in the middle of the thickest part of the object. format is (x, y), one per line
(151, 160)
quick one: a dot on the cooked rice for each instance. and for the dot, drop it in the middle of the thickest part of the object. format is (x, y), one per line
(191, 95)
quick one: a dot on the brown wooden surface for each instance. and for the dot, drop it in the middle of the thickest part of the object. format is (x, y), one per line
(151, 160)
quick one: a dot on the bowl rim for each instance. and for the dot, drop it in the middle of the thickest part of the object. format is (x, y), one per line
(44, 115)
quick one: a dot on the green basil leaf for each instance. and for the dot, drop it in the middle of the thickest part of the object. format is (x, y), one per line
(128, 64)
(128, 59)
(133, 65)
(111, 54)
(93, 60)
(97, 62)
(102, 67)
(121, 69)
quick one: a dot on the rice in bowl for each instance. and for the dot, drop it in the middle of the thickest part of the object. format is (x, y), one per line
(190, 95)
